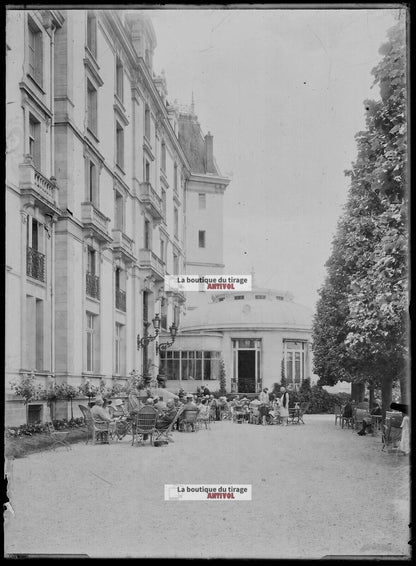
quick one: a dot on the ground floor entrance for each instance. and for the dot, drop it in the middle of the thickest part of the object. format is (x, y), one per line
(246, 365)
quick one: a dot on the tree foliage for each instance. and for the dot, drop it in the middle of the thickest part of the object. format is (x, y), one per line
(360, 326)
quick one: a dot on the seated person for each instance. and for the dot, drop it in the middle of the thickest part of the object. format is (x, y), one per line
(165, 416)
(188, 406)
(99, 414)
(367, 420)
(116, 409)
(98, 411)
(159, 404)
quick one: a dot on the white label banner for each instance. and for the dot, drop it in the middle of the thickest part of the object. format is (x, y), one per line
(211, 492)
(214, 283)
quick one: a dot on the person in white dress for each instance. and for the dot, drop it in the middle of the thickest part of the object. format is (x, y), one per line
(284, 405)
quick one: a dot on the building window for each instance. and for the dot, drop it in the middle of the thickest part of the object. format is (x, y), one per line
(147, 123)
(259, 297)
(175, 177)
(120, 281)
(177, 315)
(35, 258)
(91, 107)
(91, 262)
(92, 279)
(238, 297)
(147, 171)
(118, 211)
(162, 249)
(202, 202)
(92, 183)
(119, 350)
(175, 264)
(92, 343)
(119, 145)
(92, 33)
(35, 333)
(163, 157)
(145, 306)
(163, 194)
(279, 298)
(119, 79)
(190, 365)
(294, 361)
(146, 235)
(201, 238)
(35, 45)
(176, 222)
(35, 141)
(164, 315)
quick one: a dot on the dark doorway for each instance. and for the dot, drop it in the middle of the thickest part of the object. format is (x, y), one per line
(34, 414)
(246, 371)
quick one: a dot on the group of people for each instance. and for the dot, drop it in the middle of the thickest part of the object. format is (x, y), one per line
(265, 408)
(119, 414)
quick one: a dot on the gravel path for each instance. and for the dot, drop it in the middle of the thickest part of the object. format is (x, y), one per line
(317, 490)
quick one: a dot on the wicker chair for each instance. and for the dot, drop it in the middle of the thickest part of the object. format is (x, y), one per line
(144, 424)
(99, 431)
(188, 421)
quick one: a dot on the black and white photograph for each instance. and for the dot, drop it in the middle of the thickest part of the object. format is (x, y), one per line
(207, 259)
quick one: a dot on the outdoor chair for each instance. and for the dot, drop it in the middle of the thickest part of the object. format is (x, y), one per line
(188, 422)
(297, 415)
(392, 431)
(99, 431)
(346, 421)
(163, 433)
(58, 437)
(144, 424)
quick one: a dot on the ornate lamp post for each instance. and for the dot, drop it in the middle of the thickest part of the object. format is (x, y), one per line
(144, 341)
(173, 329)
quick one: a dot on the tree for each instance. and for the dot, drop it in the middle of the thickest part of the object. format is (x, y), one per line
(223, 378)
(67, 392)
(360, 328)
(27, 388)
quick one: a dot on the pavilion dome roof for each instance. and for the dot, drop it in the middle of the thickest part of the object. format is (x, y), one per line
(257, 309)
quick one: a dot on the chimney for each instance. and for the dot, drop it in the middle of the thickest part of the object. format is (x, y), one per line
(209, 153)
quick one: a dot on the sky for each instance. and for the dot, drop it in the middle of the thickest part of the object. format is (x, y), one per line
(282, 91)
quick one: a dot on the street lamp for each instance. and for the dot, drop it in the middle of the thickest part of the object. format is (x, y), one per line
(144, 341)
(173, 329)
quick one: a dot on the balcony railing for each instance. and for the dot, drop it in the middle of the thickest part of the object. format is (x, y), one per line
(151, 200)
(35, 264)
(123, 244)
(32, 180)
(95, 220)
(120, 300)
(149, 259)
(93, 286)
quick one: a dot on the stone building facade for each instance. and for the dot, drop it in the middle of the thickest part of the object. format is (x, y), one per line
(101, 193)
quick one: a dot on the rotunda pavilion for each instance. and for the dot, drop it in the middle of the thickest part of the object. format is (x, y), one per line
(260, 335)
